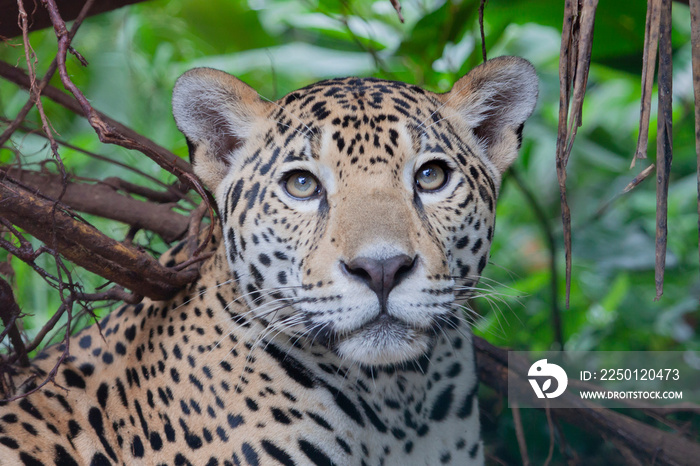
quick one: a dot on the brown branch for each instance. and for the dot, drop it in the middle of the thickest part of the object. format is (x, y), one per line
(109, 133)
(33, 89)
(22, 114)
(397, 7)
(649, 444)
(482, 5)
(193, 229)
(160, 197)
(664, 142)
(39, 19)
(639, 178)
(520, 433)
(565, 79)
(175, 192)
(66, 307)
(651, 44)
(116, 293)
(103, 200)
(105, 131)
(160, 155)
(574, 63)
(9, 311)
(25, 251)
(695, 41)
(636, 181)
(48, 326)
(85, 246)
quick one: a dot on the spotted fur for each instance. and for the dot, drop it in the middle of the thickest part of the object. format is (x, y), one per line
(326, 329)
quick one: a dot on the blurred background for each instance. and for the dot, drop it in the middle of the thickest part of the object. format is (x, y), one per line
(136, 53)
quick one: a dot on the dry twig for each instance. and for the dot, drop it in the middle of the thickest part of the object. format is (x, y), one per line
(651, 44)
(39, 19)
(46, 216)
(664, 142)
(695, 43)
(9, 313)
(84, 245)
(482, 5)
(131, 139)
(35, 95)
(103, 199)
(643, 175)
(574, 62)
(520, 433)
(397, 7)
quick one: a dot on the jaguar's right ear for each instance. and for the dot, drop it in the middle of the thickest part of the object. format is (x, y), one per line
(216, 112)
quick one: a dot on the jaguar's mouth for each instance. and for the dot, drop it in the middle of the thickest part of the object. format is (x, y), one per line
(385, 326)
(384, 340)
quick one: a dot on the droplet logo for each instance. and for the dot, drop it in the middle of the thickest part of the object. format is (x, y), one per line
(542, 372)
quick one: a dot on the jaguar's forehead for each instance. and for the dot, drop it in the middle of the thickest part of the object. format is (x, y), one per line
(358, 94)
(360, 101)
(367, 122)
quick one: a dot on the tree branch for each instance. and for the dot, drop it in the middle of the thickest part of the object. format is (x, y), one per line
(39, 18)
(574, 62)
(85, 246)
(9, 312)
(35, 95)
(160, 155)
(103, 200)
(664, 142)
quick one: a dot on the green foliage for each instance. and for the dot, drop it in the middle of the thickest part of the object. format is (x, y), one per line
(136, 54)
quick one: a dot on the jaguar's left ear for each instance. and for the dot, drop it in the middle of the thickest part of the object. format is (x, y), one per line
(494, 100)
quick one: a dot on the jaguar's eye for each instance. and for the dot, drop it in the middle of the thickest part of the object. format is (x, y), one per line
(302, 185)
(431, 176)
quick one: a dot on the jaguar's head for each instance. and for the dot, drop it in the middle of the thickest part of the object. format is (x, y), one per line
(357, 212)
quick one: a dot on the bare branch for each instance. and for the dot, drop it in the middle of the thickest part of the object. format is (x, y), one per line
(639, 178)
(15, 124)
(9, 312)
(397, 7)
(66, 307)
(39, 18)
(160, 155)
(25, 251)
(664, 142)
(103, 200)
(574, 62)
(651, 44)
(84, 245)
(160, 197)
(174, 192)
(695, 41)
(520, 433)
(482, 5)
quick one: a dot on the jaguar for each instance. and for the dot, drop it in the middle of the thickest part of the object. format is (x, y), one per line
(355, 217)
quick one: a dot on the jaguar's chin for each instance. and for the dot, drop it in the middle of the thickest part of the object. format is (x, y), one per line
(384, 341)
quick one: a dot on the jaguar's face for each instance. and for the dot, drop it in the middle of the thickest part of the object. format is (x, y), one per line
(355, 211)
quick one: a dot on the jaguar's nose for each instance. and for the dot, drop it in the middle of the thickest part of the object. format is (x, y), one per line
(380, 275)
